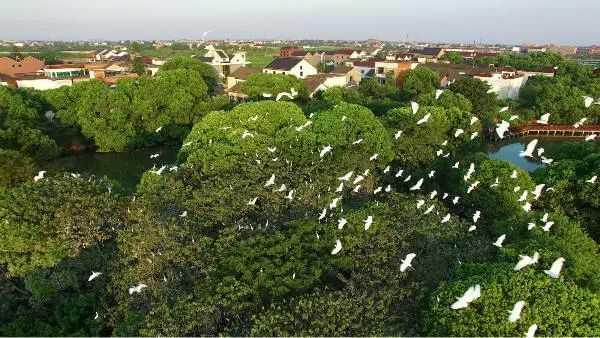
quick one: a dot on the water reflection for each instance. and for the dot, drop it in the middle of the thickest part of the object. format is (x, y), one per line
(510, 152)
(126, 167)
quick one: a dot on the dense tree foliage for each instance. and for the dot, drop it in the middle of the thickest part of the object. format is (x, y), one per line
(562, 95)
(128, 116)
(575, 164)
(420, 80)
(557, 308)
(484, 103)
(205, 71)
(236, 237)
(529, 61)
(42, 223)
(15, 168)
(22, 127)
(262, 83)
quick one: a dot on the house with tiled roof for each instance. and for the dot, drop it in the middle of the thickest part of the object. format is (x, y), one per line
(223, 63)
(314, 58)
(366, 68)
(321, 82)
(295, 66)
(15, 66)
(240, 75)
(353, 75)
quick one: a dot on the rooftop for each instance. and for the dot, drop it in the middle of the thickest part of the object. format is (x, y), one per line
(243, 73)
(283, 63)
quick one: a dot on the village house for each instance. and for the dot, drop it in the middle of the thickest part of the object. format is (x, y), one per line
(15, 66)
(221, 62)
(428, 54)
(288, 51)
(353, 75)
(234, 83)
(399, 57)
(321, 82)
(65, 71)
(397, 69)
(366, 68)
(295, 66)
(450, 72)
(507, 82)
(240, 75)
(314, 58)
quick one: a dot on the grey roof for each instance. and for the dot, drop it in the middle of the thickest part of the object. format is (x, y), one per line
(431, 51)
(222, 54)
(204, 58)
(283, 63)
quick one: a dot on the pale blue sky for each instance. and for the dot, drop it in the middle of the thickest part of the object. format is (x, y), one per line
(490, 21)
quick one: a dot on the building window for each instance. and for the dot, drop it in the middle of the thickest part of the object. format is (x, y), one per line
(300, 67)
(301, 74)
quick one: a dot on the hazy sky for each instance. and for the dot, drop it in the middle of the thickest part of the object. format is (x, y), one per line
(489, 21)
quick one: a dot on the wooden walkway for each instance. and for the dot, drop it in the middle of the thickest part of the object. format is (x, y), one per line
(561, 130)
(547, 130)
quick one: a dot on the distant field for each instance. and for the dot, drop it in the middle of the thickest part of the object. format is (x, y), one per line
(261, 57)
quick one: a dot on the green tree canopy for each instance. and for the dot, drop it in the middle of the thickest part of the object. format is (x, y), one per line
(206, 72)
(42, 223)
(22, 127)
(420, 80)
(557, 308)
(484, 103)
(258, 84)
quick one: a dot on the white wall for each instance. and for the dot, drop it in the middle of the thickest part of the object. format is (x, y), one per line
(504, 88)
(43, 84)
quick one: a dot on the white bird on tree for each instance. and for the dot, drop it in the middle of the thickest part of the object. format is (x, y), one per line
(544, 119)
(531, 331)
(554, 270)
(526, 261)
(470, 172)
(515, 313)
(346, 177)
(414, 106)
(368, 222)
(424, 119)
(39, 176)
(469, 296)
(94, 275)
(325, 150)
(499, 241)
(417, 186)
(337, 248)
(270, 181)
(137, 289)
(406, 262)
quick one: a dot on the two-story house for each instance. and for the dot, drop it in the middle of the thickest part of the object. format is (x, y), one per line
(295, 66)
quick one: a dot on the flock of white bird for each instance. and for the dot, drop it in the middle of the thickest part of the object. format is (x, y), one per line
(473, 292)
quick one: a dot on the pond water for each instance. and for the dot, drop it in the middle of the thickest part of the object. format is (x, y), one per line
(126, 167)
(509, 150)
